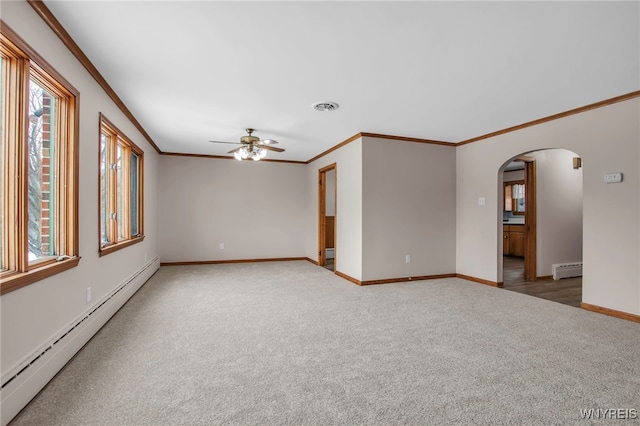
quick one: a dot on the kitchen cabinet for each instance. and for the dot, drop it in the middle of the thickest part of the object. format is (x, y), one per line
(513, 240)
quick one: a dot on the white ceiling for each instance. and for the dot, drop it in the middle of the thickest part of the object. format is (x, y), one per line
(194, 71)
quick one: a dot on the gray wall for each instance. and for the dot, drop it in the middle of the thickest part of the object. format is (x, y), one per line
(257, 210)
(409, 206)
(559, 198)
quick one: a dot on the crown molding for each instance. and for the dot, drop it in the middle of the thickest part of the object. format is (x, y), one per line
(406, 139)
(45, 14)
(333, 148)
(568, 113)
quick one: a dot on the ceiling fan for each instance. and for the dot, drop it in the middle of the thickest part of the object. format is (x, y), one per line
(253, 148)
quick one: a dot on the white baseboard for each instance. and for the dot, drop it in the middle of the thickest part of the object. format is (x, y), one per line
(25, 380)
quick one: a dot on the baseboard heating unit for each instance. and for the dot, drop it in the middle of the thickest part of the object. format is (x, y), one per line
(566, 270)
(22, 382)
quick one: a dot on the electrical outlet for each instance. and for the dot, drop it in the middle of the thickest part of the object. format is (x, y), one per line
(407, 258)
(482, 201)
(88, 294)
(221, 246)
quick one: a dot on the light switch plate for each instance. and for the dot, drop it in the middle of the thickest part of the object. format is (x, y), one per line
(613, 178)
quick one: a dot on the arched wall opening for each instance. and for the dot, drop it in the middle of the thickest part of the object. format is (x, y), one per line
(547, 228)
(606, 138)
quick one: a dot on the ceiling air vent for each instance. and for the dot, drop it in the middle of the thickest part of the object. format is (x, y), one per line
(325, 106)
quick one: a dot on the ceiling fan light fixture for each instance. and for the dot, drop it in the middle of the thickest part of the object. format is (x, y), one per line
(241, 154)
(254, 153)
(325, 106)
(253, 148)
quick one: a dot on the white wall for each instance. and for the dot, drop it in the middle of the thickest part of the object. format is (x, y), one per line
(607, 139)
(330, 199)
(513, 175)
(256, 209)
(409, 208)
(32, 315)
(559, 219)
(348, 208)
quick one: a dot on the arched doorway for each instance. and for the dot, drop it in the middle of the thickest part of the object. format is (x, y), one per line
(541, 193)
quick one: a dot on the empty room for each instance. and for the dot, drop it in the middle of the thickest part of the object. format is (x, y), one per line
(317, 213)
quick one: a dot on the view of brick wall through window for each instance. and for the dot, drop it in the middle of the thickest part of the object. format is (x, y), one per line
(41, 172)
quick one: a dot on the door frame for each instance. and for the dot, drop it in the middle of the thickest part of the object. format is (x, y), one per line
(322, 213)
(530, 219)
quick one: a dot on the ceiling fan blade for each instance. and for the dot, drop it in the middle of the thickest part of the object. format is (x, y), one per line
(271, 148)
(267, 142)
(233, 143)
(235, 150)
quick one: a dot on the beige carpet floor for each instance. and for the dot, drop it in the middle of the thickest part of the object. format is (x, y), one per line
(289, 343)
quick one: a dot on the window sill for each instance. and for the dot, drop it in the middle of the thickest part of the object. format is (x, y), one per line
(13, 281)
(115, 247)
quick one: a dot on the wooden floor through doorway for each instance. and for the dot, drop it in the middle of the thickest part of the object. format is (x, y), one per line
(567, 291)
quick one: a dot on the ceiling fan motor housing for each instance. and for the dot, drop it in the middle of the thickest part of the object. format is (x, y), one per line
(249, 139)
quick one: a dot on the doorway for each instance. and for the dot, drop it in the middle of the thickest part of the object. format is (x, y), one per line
(542, 224)
(519, 219)
(327, 177)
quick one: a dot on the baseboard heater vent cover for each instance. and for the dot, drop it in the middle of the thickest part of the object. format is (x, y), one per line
(15, 372)
(566, 270)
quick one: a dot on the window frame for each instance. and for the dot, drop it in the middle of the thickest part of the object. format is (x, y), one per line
(20, 65)
(514, 201)
(117, 138)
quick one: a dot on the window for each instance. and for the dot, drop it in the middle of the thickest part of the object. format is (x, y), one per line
(39, 166)
(121, 189)
(514, 198)
(508, 199)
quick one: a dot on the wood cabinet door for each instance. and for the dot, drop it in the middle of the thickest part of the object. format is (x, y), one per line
(516, 243)
(505, 243)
